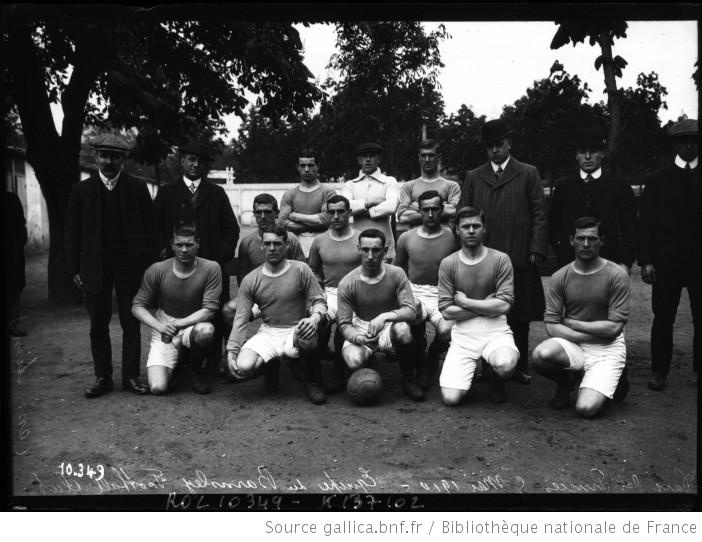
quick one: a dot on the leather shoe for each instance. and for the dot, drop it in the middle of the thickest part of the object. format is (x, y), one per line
(656, 382)
(133, 385)
(101, 387)
(413, 391)
(200, 385)
(521, 377)
(315, 393)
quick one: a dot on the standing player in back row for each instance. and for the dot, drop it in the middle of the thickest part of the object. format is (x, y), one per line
(587, 305)
(302, 207)
(376, 308)
(419, 252)
(332, 256)
(476, 290)
(408, 211)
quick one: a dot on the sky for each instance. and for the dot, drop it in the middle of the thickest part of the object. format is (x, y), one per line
(491, 64)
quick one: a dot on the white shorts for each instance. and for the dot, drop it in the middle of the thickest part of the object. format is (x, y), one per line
(273, 342)
(332, 305)
(471, 340)
(602, 363)
(428, 296)
(167, 354)
(384, 342)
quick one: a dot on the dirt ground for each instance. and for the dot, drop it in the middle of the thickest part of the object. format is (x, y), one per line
(240, 439)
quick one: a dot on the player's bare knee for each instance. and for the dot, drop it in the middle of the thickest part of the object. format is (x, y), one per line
(158, 388)
(588, 406)
(203, 333)
(400, 334)
(451, 397)
(542, 357)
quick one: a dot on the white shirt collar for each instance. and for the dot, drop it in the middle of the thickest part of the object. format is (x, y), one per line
(681, 163)
(503, 165)
(109, 183)
(595, 174)
(376, 175)
(188, 182)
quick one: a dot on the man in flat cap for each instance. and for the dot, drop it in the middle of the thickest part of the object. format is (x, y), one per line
(597, 193)
(670, 247)
(195, 200)
(511, 195)
(374, 196)
(110, 241)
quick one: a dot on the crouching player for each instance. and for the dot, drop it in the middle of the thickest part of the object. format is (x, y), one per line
(476, 289)
(375, 310)
(286, 291)
(587, 305)
(184, 291)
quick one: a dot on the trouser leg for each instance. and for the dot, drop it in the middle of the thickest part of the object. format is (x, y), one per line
(99, 307)
(695, 291)
(665, 299)
(131, 328)
(520, 330)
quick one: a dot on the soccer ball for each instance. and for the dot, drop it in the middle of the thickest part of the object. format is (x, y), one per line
(364, 387)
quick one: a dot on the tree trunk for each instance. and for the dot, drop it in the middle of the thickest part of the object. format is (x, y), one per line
(54, 158)
(613, 104)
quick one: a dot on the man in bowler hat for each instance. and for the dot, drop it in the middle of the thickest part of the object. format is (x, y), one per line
(511, 195)
(194, 199)
(670, 247)
(109, 242)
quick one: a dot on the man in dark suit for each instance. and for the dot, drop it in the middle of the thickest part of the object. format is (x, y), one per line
(594, 192)
(511, 195)
(670, 247)
(195, 200)
(109, 242)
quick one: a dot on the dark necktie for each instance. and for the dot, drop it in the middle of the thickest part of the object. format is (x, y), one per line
(687, 166)
(193, 188)
(588, 178)
(499, 172)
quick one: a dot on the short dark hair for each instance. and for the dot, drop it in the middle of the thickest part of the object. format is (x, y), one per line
(372, 233)
(184, 229)
(266, 199)
(279, 230)
(307, 152)
(429, 194)
(338, 198)
(470, 212)
(430, 144)
(586, 222)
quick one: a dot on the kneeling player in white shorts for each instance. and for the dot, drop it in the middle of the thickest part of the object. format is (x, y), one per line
(185, 292)
(293, 309)
(587, 305)
(476, 289)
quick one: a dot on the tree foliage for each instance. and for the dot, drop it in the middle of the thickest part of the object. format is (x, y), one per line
(131, 67)
(602, 32)
(461, 147)
(545, 120)
(386, 91)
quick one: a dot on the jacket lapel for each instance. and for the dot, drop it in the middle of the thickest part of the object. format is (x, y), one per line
(202, 193)
(486, 174)
(510, 173)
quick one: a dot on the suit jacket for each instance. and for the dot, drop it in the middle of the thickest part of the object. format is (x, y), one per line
(670, 225)
(610, 199)
(212, 214)
(514, 209)
(83, 233)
